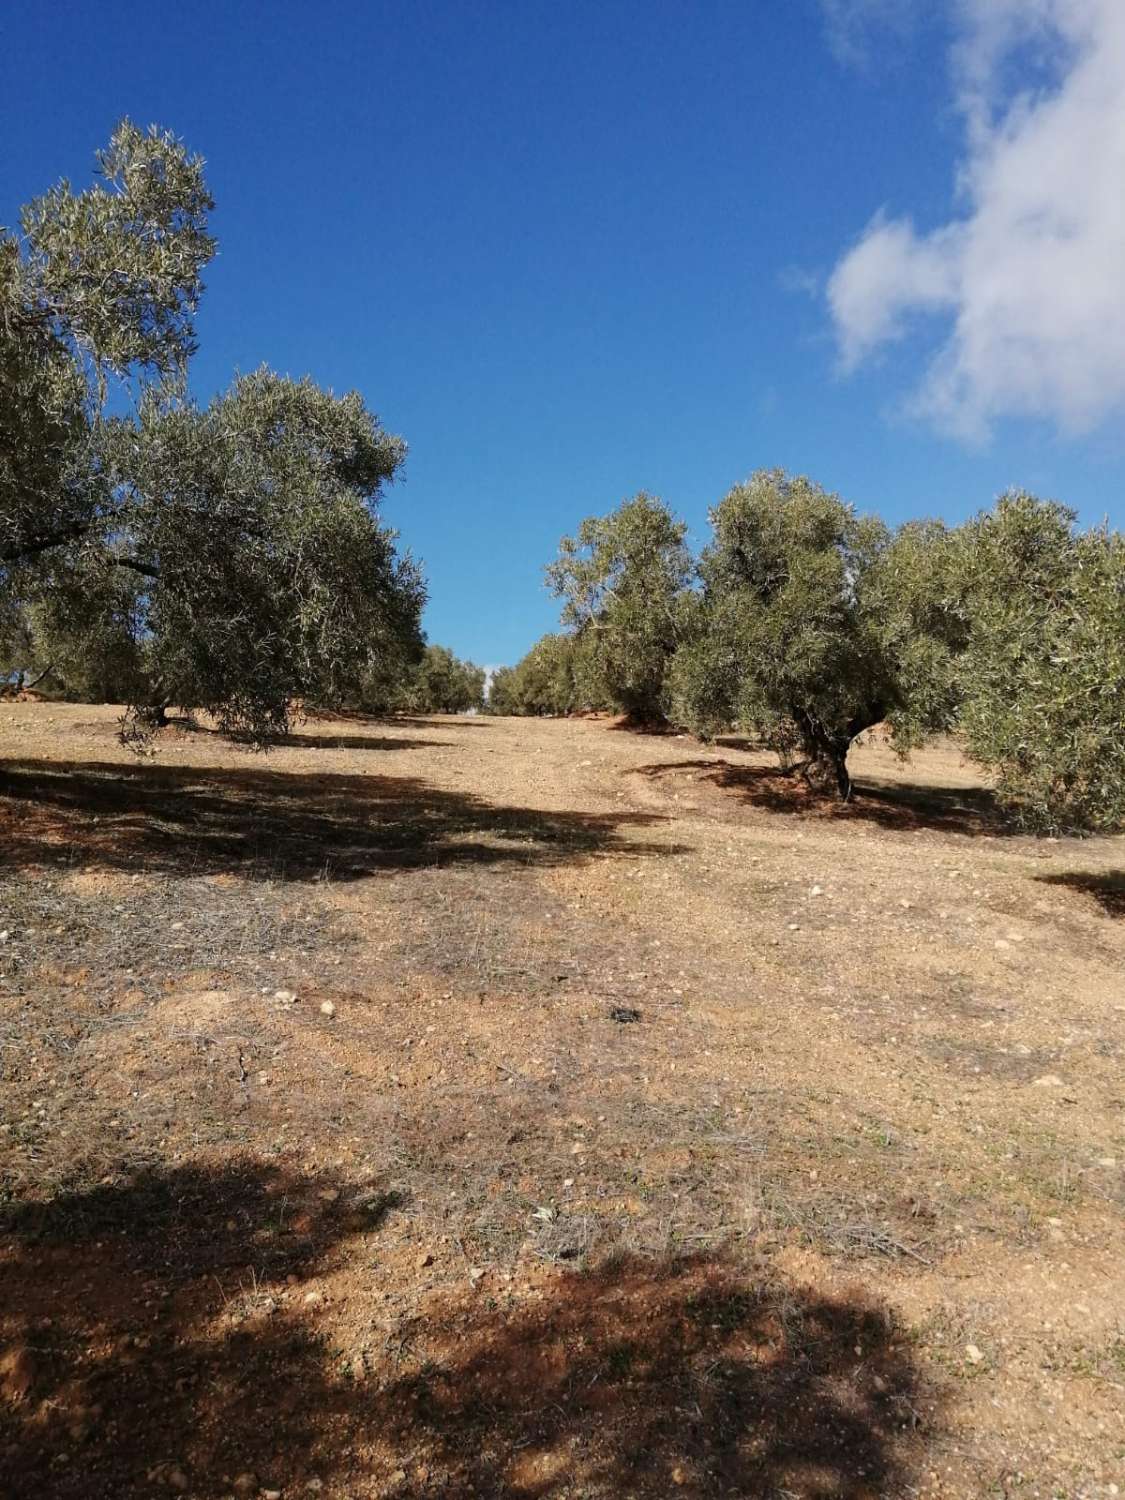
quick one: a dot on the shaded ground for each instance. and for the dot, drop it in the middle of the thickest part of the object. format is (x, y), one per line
(539, 1111)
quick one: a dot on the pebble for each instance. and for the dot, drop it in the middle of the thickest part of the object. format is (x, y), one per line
(284, 997)
(177, 1478)
(246, 1484)
(1048, 1081)
(973, 1354)
(327, 1008)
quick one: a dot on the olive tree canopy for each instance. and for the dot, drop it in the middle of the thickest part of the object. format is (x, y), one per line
(623, 579)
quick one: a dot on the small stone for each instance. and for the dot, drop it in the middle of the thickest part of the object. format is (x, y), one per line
(313, 1299)
(314, 1485)
(816, 891)
(973, 1354)
(328, 1195)
(398, 1476)
(425, 1260)
(176, 1477)
(1048, 1081)
(327, 1008)
(475, 1273)
(1001, 943)
(270, 1494)
(246, 1484)
(17, 1374)
(5, 935)
(906, 905)
(1107, 1161)
(284, 997)
(794, 927)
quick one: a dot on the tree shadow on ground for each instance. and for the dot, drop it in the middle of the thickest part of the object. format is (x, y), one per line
(896, 805)
(269, 824)
(1107, 887)
(295, 740)
(403, 720)
(161, 1330)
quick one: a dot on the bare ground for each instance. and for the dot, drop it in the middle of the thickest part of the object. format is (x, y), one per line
(534, 1109)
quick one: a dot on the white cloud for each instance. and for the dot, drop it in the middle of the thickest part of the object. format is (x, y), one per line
(1029, 280)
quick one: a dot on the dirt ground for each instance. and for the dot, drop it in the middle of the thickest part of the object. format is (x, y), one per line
(494, 1107)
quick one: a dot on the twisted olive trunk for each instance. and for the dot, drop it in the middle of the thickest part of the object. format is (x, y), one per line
(826, 769)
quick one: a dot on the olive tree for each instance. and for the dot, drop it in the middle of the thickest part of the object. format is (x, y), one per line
(623, 578)
(268, 576)
(1042, 679)
(258, 569)
(442, 683)
(95, 286)
(814, 624)
(558, 676)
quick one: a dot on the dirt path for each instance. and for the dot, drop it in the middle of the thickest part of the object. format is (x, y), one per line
(522, 1108)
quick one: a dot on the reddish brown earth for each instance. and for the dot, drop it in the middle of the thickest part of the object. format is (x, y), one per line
(535, 1109)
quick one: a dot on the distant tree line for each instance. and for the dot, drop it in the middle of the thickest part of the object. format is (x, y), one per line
(805, 624)
(227, 557)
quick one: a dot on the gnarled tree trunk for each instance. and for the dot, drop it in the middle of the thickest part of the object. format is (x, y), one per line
(826, 769)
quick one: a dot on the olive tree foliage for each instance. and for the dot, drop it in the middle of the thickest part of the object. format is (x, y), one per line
(442, 683)
(558, 676)
(814, 624)
(623, 579)
(229, 557)
(95, 285)
(1042, 678)
(254, 525)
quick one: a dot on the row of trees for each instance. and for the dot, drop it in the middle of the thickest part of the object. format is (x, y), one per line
(227, 557)
(805, 624)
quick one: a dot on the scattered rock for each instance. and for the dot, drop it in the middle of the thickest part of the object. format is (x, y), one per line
(313, 1299)
(475, 1273)
(284, 997)
(327, 1008)
(973, 1354)
(17, 1374)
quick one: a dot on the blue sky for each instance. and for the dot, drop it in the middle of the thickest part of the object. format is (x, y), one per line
(572, 251)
